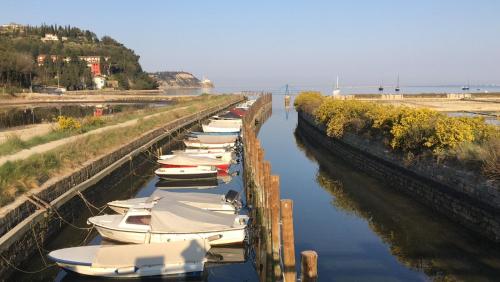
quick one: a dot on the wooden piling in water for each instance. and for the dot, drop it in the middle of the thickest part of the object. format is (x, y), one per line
(275, 225)
(308, 266)
(263, 193)
(288, 240)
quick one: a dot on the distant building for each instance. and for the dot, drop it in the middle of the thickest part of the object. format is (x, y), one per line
(94, 63)
(50, 37)
(99, 82)
(12, 27)
(40, 59)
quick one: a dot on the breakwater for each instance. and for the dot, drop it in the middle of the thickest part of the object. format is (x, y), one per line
(462, 196)
(27, 224)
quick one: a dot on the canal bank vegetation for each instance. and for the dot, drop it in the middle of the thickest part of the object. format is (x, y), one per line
(65, 126)
(20, 176)
(417, 133)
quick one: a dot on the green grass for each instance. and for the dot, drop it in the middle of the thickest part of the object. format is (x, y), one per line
(14, 144)
(20, 176)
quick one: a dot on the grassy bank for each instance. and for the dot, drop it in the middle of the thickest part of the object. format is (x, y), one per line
(14, 144)
(414, 132)
(20, 176)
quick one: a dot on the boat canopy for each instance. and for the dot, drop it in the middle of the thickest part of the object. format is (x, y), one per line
(216, 138)
(151, 254)
(170, 216)
(187, 197)
(190, 160)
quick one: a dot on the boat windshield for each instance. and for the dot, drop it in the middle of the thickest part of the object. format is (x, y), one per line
(139, 219)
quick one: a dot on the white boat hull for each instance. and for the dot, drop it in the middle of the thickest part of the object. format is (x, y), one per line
(207, 128)
(195, 144)
(180, 269)
(139, 237)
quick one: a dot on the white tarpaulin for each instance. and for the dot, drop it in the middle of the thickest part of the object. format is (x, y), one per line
(215, 138)
(139, 255)
(170, 216)
(192, 197)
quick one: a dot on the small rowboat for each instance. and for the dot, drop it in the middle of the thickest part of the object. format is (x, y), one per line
(196, 133)
(187, 173)
(213, 128)
(178, 258)
(198, 144)
(186, 161)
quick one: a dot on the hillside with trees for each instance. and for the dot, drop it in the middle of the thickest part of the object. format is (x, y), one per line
(55, 55)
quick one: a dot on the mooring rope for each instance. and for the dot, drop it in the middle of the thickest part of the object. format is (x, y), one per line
(37, 244)
(67, 222)
(26, 271)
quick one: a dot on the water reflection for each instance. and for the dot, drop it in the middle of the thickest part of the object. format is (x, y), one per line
(18, 116)
(417, 237)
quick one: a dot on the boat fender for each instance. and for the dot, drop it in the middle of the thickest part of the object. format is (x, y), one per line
(214, 237)
(126, 270)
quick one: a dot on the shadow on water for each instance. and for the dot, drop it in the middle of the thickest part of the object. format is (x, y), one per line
(419, 238)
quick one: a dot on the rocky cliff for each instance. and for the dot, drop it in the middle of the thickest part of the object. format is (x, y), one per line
(174, 79)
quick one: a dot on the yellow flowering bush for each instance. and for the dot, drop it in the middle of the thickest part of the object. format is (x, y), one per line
(67, 123)
(410, 130)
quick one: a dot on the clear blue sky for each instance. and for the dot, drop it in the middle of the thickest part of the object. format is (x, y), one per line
(269, 43)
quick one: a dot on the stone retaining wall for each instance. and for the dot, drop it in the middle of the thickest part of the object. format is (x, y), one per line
(467, 199)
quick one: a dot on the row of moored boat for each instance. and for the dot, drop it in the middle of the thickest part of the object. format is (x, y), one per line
(170, 233)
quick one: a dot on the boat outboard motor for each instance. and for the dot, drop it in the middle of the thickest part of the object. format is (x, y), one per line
(233, 197)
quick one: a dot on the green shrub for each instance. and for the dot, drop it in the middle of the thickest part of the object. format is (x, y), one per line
(92, 121)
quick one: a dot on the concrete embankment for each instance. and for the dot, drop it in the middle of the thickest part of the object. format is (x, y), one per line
(463, 196)
(75, 97)
(26, 224)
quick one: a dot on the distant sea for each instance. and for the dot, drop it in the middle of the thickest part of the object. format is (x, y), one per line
(346, 90)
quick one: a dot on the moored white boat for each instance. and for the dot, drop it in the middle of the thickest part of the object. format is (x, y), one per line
(223, 156)
(198, 144)
(170, 221)
(137, 260)
(228, 203)
(186, 161)
(187, 173)
(215, 138)
(223, 126)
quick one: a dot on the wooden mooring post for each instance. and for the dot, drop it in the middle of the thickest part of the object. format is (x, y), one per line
(288, 240)
(308, 266)
(275, 242)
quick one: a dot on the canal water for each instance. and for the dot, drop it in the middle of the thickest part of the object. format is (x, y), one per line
(361, 229)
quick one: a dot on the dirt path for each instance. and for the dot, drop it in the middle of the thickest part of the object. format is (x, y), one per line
(26, 132)
(445, 105)
(26, 153)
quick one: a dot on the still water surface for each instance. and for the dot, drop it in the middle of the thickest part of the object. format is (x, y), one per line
(362, 230)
